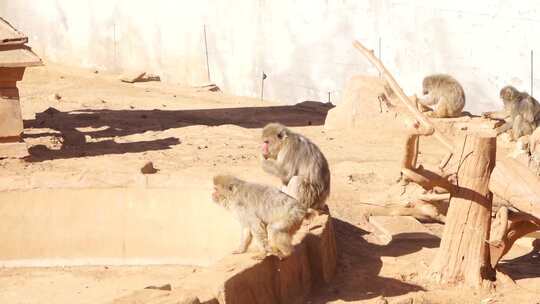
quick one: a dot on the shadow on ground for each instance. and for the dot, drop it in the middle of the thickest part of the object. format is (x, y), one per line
(524, 267)
(107, 124)
(359, 265)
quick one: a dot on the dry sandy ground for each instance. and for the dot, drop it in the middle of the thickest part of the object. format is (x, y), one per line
(101, 127)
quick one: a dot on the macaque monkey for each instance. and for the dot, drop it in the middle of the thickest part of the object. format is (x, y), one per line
(443, 95)
(299, 164)
(269, 215)
(521, 113)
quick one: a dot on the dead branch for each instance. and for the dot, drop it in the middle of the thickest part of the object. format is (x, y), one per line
(434, 197)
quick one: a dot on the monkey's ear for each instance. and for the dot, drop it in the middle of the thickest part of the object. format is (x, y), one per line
(282, 134)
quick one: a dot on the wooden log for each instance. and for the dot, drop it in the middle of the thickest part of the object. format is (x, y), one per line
(463, 256)
(516, 184)
(402, 96)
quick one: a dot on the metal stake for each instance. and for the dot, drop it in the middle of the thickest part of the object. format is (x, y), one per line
(206, 51)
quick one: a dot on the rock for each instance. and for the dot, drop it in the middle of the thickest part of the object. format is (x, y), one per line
(139, 77)
(151, 77)
(241, 279)
(361, 104)
(56, 97)
(162, 287)
(209, 87)
(148, 168)
(132, 77)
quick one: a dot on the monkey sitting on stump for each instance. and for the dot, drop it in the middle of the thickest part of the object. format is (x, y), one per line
(264, 212)
(443, 95)
(521, 113)
(299, 164)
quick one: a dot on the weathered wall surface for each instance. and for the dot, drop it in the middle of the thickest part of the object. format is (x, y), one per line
(303, 46)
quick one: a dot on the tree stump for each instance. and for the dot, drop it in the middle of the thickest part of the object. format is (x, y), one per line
(463, 256)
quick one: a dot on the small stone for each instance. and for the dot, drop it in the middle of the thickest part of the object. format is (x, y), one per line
(148, 168)
(96, 72)
(56, 96)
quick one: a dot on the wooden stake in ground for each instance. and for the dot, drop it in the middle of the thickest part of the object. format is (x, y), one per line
(463, 256)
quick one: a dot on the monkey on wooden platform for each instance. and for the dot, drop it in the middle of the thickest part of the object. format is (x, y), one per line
(444, 95)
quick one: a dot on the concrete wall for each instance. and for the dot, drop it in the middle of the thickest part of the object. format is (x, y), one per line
(115, 226)
(303, 46)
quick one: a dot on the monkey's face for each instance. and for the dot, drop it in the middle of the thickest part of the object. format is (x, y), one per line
(509, 94)
(271, 146)
(273, 136)
(224, 189)
(219, 195)
(427, 84)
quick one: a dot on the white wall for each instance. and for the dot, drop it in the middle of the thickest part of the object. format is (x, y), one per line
(304, 46)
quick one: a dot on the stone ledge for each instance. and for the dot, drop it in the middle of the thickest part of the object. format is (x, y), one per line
(239, 279)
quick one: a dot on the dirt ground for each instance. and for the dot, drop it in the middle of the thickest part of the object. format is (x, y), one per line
(100, 126)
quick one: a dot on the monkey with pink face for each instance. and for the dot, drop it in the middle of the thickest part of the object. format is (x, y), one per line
(298, 163)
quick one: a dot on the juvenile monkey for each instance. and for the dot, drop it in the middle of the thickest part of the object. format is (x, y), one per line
(299, 163)
(444, 95)
(264, 212)
(521, 113)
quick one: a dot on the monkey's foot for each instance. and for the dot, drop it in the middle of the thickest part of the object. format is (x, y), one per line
(431, 114)
(276, 252)
(260, 256)
(238, 251)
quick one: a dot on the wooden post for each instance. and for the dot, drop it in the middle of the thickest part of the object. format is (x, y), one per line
(15, 57)
(11, 124)
(463, 256)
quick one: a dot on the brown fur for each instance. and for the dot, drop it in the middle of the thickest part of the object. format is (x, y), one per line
(521, 113)
(445, 94)
(299, 163)
(264, 212)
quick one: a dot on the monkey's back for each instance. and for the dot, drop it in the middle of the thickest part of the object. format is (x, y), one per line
(270, 204)
(446, 86)
(308, 162)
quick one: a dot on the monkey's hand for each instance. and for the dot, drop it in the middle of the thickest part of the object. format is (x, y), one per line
(270, 166)
(487, 114)
(239, 251)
